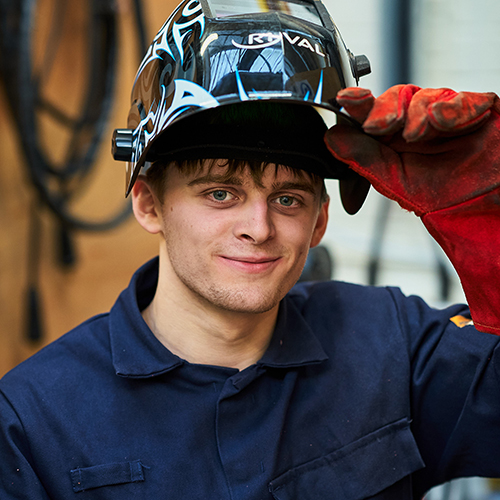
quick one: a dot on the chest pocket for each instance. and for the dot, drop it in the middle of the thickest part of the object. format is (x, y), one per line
(377, 466)
(106, 475)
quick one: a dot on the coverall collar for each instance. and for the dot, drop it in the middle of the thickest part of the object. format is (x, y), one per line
(137, 353)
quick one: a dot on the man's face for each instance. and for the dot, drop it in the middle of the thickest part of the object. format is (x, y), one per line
(235, 245)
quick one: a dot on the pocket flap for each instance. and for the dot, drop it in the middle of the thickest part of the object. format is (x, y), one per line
(106, 475)
(356, 471)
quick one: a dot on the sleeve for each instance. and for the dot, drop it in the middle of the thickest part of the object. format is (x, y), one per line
(455, 394)
(18, 479)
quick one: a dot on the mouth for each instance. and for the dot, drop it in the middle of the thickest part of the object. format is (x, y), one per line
(250, 264)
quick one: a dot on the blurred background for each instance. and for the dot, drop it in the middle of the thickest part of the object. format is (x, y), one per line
(68, 245)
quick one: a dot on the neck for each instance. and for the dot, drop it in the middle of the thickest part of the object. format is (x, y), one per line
(201, 333)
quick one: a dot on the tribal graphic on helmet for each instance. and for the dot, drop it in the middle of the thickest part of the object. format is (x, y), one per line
(191, 14)
(217, 52)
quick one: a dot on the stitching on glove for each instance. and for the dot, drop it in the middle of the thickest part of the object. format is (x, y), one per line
(487, 326)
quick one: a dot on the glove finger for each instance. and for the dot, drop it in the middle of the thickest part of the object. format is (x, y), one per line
(389, 111)
(418, 122)
(356, 101)
(463, 112)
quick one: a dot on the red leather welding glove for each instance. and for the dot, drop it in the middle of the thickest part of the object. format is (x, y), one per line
(437, 153)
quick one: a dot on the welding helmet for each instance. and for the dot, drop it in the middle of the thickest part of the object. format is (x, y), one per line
(217, 53)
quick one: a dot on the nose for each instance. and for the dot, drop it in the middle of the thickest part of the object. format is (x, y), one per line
(255, 223)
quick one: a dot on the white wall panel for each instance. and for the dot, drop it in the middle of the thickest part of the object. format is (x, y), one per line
(456, 44)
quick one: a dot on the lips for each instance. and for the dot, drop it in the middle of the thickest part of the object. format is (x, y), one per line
(250, 264)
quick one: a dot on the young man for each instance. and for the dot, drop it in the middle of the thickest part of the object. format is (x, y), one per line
(232, 246)
(212, 377)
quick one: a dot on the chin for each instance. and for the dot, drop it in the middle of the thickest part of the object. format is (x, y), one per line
(245, 301)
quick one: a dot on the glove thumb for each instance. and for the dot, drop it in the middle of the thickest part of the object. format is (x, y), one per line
(356, 101)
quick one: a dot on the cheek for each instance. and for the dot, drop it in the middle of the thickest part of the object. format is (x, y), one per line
(187, 226)
(299, 234)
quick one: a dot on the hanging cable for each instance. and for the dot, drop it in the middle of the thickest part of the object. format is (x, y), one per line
(34, 321)
(57, 184)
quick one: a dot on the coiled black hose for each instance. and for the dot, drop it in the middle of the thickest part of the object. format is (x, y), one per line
(57, 185)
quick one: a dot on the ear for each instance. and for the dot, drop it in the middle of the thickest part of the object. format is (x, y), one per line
(321, 223)
(146, 206)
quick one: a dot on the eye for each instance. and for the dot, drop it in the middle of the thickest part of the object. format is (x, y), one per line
(286, 201)
(219, 195)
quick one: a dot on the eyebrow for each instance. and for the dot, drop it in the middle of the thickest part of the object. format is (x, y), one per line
(217, 179)
(302, 186)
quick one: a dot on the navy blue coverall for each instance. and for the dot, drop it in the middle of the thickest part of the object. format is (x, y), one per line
(362, 393)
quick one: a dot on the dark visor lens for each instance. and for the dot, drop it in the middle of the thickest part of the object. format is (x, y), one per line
(296, 8)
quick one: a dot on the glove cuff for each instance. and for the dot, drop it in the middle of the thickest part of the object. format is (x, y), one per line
(469, 233)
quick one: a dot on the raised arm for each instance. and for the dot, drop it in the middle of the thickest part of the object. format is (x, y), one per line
(437, 153)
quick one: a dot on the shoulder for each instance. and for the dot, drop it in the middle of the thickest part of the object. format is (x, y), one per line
(351, 318)
(346, 300)
(386, 316)
(376, 302)
(62, 361)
